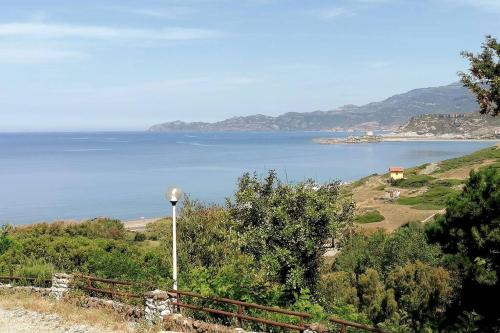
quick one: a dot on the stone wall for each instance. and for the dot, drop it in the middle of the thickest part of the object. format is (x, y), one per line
(158, 304)
(129, 312)
(35, 290)
(60, 285)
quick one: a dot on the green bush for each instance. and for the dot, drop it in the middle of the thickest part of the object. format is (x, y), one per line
(491, 153)
(369, 217)
(159, 229)
(413, 181)
(36, 268)
(140, 237)
(434, 198)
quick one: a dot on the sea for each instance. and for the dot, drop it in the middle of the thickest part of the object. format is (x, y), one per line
(124, 175)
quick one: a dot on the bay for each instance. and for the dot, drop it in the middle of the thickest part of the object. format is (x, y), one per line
(50, 176)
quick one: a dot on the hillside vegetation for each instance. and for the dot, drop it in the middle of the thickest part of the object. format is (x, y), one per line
(424, 191)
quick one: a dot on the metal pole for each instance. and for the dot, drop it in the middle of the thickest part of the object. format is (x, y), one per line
(174, 246)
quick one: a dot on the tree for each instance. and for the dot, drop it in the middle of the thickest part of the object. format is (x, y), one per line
(422, 293)
(469, 234)
(483, 79)
(285, 227)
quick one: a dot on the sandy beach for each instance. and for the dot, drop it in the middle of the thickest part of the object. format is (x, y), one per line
(140, 224)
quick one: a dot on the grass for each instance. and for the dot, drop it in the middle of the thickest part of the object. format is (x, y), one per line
(363, 180)
(369, 217)
(491, 153)
(413, 181)
(36, 268)
(434, 198)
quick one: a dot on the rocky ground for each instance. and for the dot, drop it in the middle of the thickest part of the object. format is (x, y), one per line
(20, 320)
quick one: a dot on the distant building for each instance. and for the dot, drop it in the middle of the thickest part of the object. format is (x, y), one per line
(396, 173)
(369, 133)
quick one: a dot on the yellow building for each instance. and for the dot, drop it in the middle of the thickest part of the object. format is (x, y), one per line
(396, 173)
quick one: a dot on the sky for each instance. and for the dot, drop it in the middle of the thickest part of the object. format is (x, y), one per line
(125, 65)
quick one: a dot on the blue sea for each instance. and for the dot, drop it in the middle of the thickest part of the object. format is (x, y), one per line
(50, 176)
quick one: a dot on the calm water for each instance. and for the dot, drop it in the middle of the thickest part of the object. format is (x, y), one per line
(124, 175)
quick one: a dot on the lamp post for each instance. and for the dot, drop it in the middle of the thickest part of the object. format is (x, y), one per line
(174, 194)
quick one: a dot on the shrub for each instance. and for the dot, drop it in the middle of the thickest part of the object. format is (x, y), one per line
(139, 237)
(434, 198)
(370, 217)
(413, 181)
(36, 268)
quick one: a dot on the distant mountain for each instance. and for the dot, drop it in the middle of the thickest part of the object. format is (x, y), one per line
(468, 125)
(389, 113)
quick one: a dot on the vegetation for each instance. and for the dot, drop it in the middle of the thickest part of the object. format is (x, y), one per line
(434, 198)
(469, 234)
(394, 279)
(483, 79)
(412, 181)
(266, 245)
(370, 217)
(490, 153)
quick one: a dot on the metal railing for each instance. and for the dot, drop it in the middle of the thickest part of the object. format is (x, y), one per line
(113, 290)
(32, 280)
(240, 313)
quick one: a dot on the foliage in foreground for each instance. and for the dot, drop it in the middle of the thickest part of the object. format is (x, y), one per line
(266, 244)
(469, 234)
(396, 279)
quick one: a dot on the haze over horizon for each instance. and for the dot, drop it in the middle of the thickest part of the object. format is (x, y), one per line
(125, 65)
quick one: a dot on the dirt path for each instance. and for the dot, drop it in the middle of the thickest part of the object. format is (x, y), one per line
(23, 321)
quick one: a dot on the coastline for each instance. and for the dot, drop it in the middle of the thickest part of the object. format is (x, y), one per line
(402, 138)
(139, 224)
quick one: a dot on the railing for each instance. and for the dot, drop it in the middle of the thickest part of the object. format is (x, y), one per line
(32, 280)
(344, 326)
(113, 288)
(240, 314)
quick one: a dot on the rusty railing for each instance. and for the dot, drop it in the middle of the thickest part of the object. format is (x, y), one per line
(240, 314)
(10, 279)
(113, 286)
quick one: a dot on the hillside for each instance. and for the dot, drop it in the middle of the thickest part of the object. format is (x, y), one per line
(423, 192)
(391, 112)
(469, 125)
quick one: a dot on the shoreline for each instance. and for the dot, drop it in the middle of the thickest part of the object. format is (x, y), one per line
(139, 224)
(381, 139)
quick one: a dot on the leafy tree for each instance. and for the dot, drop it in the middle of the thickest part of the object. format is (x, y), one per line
(469, 234)
(484, 77)
(383, 252)
(421, 292)
(285, 227)
(338, 288)
(372, 294)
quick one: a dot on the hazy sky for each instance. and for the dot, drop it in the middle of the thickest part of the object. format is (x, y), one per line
(107, 65)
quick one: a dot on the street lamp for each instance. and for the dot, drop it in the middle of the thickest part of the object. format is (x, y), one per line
(173, 195)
